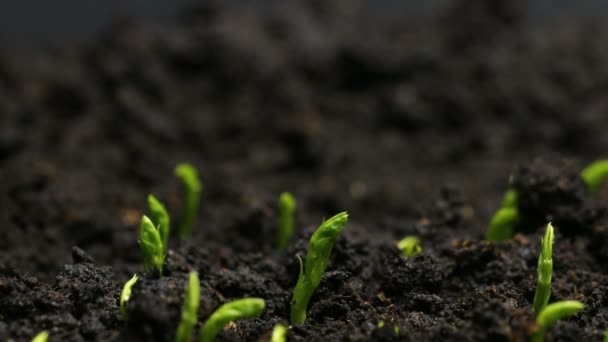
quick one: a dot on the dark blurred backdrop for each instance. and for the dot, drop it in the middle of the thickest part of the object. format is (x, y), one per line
(40, 22)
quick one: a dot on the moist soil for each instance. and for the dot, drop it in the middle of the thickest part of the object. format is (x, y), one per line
(413, 125)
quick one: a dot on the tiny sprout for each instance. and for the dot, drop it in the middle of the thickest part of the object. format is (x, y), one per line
(594, 175)
(279, 333)
(287, 208)
(161, 219)
(189, 309)
(125, 295)
(410, 246)
(606, 336)
(544, 271)
(151, 245)
(189, 176)
(317, 257)
(553, 313)
(503, 222)
(42, 336)
(245, 308)
(380, 324)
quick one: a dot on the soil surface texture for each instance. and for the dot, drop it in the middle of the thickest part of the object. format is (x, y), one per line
(414, 126)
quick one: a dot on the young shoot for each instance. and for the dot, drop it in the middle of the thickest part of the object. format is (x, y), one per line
(410, 246)
(189, 309)
(246, 308)
(189, 176)
(317, 257)
(42, 336)
(151, 245)
(279, 333)
(125, 295)
(502, 225)
(553, 313)
(594, 175)
(287, 209)
(160, 218)
(544, 272)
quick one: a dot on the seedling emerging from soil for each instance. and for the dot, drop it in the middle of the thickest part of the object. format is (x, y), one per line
(544, 271)
(245, 308)
(42, 336)
(151, 245)
(160, 218)
(553, 313)
(317, 257)
(503, 222)
(188, 174)
(189, 309)
(410, 246)
(125, 295)
(595, 174)
(287, 209)
(279, 333)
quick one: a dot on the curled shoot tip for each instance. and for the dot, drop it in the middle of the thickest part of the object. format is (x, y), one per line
(42, 336)
(552, 313)
(246, 308)
(189, 176)
(544, 271)
(279, 333)
(287, 208)
(410, 246)
(317, 257)
(594, 175)
(189, 309)
(125, 295)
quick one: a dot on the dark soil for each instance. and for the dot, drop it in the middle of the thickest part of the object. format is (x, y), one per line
(413, 126)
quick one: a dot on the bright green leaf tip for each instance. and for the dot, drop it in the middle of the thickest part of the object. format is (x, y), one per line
(246, 308)
(279, 333)
(594, 175)
(42, 336)
(151, 245)
(544, 271)
(189, 309)
(125, 295)
(552, 313)
(160, 218)
(287, 208)
(317, 257)
(189, 176)
(410, 246)
(502, 225)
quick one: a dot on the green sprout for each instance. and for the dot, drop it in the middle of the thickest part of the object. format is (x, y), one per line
(189, 176)
(151, 245)
(125, 295)
(279, 333)
(410, 246)
(319, 251)
(246, 308)
(553, 313)
(594, 175)
(161, 219)
(287, 208)
(42, 336)
(544, 271)
(189, 309)
(502, 225)
(606, 336)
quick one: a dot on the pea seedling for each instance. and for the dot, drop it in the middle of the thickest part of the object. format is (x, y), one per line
(151, 245)
(287, 208)
(125, 295)
(42, 336)
(410, 246)
(594, 175)
(502, 225)
(189, 176)
(553, 313)
(279, 333)
(317, 257)
(160, 218)
(246, 308)
(189, 309)
(544, 272)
